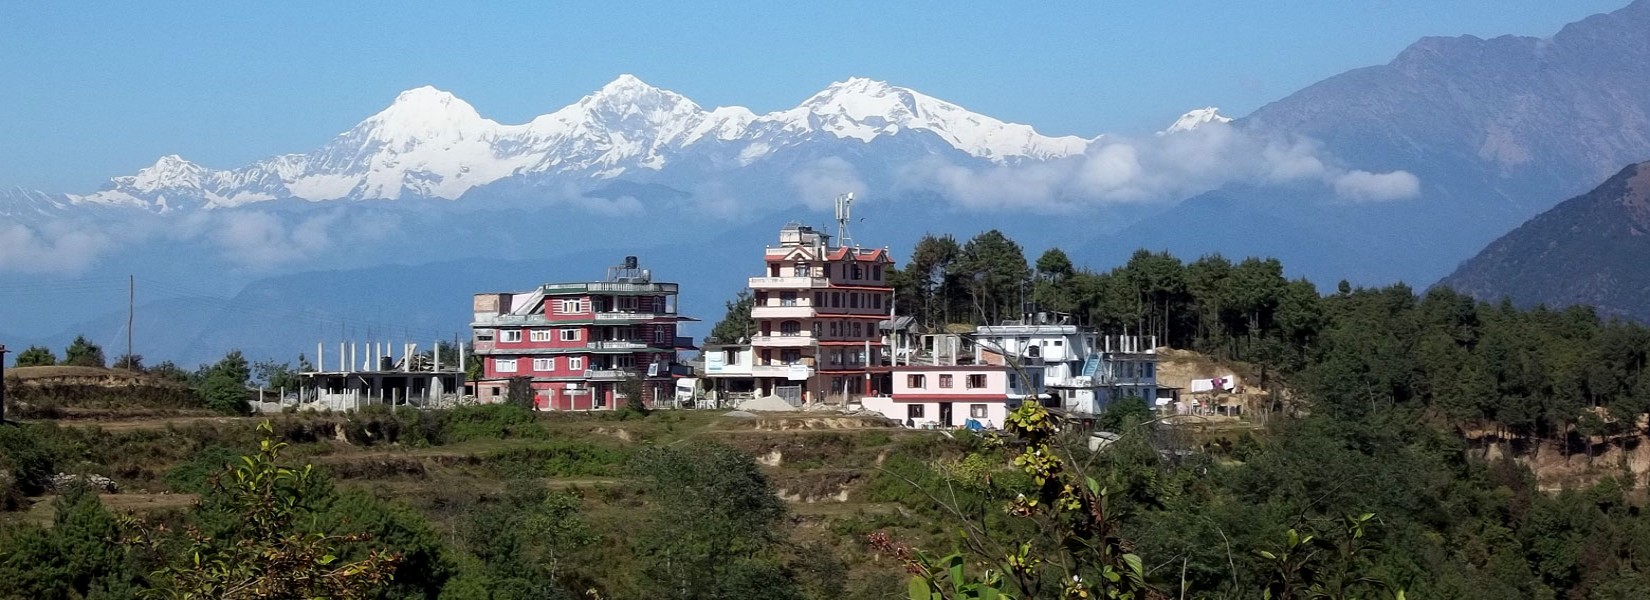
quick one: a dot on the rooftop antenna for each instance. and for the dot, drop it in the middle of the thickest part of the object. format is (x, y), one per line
(844, 211)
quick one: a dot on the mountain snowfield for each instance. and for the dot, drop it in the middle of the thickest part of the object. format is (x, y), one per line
(1195, 119)
(429, 143)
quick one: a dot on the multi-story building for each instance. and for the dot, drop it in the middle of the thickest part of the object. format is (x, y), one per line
(816, 312)
(582, 343)
(1082, 372)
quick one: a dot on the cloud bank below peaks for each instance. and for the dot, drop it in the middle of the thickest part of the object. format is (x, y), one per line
(1163, 168)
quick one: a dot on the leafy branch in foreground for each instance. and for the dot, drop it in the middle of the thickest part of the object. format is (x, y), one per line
(263, 554)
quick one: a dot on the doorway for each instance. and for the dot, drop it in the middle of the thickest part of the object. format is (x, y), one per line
(945, 415)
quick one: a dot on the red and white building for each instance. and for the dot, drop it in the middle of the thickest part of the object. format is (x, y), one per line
(579, 342)
(816, 313)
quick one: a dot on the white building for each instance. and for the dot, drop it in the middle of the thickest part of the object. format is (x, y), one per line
(1083, 372)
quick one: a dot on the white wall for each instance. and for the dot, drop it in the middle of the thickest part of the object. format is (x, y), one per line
(996, 413)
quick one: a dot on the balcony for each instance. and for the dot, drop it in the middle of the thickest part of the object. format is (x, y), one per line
(795, 372)
(618, 345)
(611, 374)
(795, 340)
(788, 283)
(629, 316)
(610, 287)
(782, 312)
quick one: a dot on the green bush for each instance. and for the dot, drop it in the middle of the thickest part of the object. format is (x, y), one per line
(28, 458)
(491, 421)
(192, 476)
(557, 459)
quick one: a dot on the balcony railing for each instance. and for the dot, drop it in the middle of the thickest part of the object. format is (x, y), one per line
(612, 374)
(611, 287)
(788, 283)
(789, 371)
(794, 340)
(631, 315)
(782, 312)
(618, 345)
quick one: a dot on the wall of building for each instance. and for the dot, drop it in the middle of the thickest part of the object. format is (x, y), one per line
(992, 415)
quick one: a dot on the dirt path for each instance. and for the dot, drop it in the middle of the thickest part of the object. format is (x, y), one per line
(44, 509)
(144, 424)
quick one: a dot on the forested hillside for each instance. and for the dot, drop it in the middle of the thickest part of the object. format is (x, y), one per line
(1372, 481)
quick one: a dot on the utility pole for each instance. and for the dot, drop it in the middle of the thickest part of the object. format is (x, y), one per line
(2, 384)
(131, 295)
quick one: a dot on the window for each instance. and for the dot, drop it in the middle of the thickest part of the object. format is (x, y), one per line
(790, 328)
(484, 335)
(541, 335)
(659, 336)
(819, 299)
(836, 328)
(913, 411)
(544, 364)
(827, 270)
(1059, 343)
(570, 335)
(509, 335)
(504, 365)
(853, 300)
(945, 381)
(569, 307)
(859, 329)
(916, 382)
(976, 381)
(802, 270)
(877, 300)
(1149, 369)
(976, 411)
(787, 298)
(836, 299)
(858, 272)
(575, 363)
(790, 357)
(876, 272)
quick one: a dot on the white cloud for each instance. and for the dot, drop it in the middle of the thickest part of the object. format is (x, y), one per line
(818, 183)
(1364, 186)
(1165, 168)
(56, 248)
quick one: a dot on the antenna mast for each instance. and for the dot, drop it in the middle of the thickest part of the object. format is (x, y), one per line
(844, 213)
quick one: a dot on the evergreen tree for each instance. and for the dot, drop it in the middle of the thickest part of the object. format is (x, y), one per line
(737, 325)
(83, 353)
(995, 272)
(130, 362)
(35, 356)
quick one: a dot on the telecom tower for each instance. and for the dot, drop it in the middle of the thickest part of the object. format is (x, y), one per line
(844, 213)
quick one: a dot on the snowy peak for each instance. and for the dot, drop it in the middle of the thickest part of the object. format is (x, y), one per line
(865, 109)
(1195, 119)
(625, 104)
(422, 114)
(170, 172)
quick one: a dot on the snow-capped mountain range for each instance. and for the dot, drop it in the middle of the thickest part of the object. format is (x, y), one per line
(429, 143)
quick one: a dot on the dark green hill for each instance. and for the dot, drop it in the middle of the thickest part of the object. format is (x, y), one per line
(1592, 249)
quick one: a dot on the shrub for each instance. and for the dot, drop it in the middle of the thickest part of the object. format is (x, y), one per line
(192, 476)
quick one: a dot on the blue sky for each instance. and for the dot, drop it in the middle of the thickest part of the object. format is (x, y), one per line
(91, 92)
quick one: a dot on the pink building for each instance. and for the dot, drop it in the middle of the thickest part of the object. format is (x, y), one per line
(948, 396)
(579, 342)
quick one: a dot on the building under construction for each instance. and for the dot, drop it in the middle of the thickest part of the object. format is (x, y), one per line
(375, 376)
